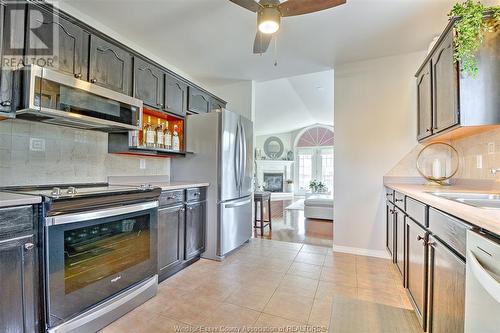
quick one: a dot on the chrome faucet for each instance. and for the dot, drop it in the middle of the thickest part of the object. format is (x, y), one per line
(494, 171)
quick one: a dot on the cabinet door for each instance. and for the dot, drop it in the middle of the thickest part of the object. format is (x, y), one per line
(445, 85)
(149, 81)
(446, 289)
(70, 50)
(198, 101)
(424, 103)
(17, 282)
(175, 96)
(170, 237)
(195, 229)
(110, 66)
(399, 224)
(389, 229)
(10, 13)
(416, 268)
(216, 105)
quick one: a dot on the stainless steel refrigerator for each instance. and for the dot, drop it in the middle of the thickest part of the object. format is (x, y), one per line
(222, 154)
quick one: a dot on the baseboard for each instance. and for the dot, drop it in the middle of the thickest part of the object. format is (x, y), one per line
(361, 252)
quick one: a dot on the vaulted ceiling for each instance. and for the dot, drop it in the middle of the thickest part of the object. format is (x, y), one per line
(213, 38)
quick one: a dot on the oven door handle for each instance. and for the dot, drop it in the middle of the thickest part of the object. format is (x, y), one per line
(99, 214)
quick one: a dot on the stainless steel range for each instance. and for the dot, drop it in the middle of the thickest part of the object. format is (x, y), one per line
(100, 257)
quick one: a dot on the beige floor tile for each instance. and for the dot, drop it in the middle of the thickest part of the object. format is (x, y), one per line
(253, 298)
(339, 277)
(232, 315)
(191, 310)
(326, 290)
(340, 259)
(305, 270)
(315, 249)
(289, 306)
(267, 320)
(310, 258)
(298, 285)
(321, 313)
(381, 296)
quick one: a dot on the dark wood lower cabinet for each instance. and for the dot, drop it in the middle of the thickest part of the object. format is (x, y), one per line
(399, 226)
(389, 229)
(18, 310)
(170, 237)
(446, 289)
(195, 229)
(416, 268)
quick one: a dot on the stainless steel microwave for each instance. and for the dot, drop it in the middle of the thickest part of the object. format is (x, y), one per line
(51, 97)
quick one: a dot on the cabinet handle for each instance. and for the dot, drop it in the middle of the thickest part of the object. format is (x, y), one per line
(399, 200)
(183, 209)
(388, 194)
(5, 103)
(427, 130)
(391, 211)
(196, 194)
(29, 246)
(433, 244)
(419, 238)
(93, 80)
(79, 75)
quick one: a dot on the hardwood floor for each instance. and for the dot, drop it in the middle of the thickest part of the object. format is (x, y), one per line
(292, 226)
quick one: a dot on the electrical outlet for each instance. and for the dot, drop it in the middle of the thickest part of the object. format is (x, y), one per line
(479, 161)
(37, 144)
(142, 163)
(491, 148)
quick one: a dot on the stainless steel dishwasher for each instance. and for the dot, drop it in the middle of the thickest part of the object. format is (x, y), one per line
(482, 287)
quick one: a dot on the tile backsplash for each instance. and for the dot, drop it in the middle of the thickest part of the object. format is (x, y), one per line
(478, 154)
(34, 153)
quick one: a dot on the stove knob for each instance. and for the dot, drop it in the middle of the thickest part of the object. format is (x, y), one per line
(71, 190)
(56, 191)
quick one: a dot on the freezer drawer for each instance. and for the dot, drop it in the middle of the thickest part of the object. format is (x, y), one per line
(235, 224)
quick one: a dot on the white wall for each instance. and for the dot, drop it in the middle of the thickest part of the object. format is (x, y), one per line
(375, 126)
(239, 95)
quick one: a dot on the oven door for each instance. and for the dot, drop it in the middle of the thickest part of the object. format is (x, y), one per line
(91, 256)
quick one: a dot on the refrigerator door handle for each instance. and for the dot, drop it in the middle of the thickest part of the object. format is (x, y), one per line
(243, 156)
(237, 157)
(238, 203)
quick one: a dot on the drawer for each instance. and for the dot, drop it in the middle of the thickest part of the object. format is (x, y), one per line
(389, 194)
(16, 220)
(399, 200)
(196, 194)
(168, 198)
(417, 211)
(450, 230)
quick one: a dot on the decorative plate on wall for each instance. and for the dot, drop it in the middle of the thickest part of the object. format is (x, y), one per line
(273, 147)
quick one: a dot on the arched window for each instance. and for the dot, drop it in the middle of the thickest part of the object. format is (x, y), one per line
(314, 157)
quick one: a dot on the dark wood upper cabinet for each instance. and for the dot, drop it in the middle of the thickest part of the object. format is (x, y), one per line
(424, 102)
(445, 86)
(195, 229)
(416, 268)
(148, 83)
(446, 289)
(70, 48)
(175, 95)
(216, 105)
(198, 101)
(110, 66)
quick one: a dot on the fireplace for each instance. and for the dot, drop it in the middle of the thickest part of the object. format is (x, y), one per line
(273, 181)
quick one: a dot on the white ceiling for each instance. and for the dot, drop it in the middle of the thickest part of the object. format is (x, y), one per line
(288, 104)
(213, 38)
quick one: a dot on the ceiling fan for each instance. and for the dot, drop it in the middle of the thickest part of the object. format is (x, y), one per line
(270, 12)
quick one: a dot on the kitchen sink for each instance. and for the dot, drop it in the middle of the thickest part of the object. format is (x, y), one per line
(480, 200)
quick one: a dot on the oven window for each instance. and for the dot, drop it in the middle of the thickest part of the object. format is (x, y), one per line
(97, 252)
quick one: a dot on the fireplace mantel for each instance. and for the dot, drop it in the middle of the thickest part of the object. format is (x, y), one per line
(274, 166)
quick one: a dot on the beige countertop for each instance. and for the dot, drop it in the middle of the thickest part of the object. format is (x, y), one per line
(159, 181)
(488, 219)
(12, 199)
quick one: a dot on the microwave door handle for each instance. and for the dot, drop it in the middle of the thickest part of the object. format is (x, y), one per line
(99, 214)
(483, 277)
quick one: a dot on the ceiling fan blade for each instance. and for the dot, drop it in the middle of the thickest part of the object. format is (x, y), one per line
(261, 42)
(299, 7)
(248, 4)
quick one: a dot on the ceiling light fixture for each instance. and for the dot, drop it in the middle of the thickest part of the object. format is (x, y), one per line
(268, 20)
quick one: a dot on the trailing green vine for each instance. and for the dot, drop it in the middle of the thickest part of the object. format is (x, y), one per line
(470, 30)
